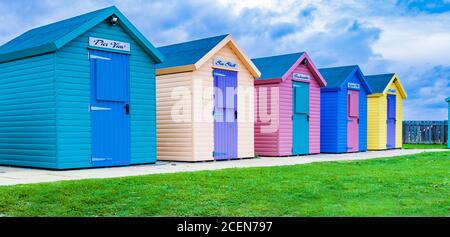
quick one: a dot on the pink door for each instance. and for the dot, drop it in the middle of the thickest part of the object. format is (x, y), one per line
(352, 121)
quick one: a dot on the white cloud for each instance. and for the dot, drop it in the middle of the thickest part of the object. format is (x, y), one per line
(386, 37)
(415, 41)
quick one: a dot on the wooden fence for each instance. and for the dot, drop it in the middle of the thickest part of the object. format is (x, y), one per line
(425, 132)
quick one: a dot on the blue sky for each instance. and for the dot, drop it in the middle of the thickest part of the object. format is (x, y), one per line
(411, 38)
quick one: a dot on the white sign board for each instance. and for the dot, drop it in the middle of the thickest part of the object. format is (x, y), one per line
(225, 63)
(109, 44)
(300, 77)
(352, 85)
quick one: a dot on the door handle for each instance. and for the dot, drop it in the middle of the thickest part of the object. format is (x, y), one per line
(127, 108)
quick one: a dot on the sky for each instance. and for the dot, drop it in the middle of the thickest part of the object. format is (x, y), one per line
(410, 38)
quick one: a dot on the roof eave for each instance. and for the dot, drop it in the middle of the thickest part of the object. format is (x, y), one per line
(311, 67)
(400, 86)
(363, 80)
(177, 69)
(148, 47)
(375, 95)
(239, 52)
(268, 81)
(136, 35)
(39, 50)
(330, 89)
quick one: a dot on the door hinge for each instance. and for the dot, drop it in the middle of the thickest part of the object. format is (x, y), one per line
(99, 57)
(97, 159)
(96, 108)
(307, 118)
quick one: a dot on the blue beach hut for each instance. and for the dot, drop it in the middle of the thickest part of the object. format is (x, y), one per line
(343, 114)
(79, 93)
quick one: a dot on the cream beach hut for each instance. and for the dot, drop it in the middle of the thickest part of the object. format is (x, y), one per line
(205, 101)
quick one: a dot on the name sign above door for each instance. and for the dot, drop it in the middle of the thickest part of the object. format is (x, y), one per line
(109, 44)
(352, 85)
(225, 63)
(391, 91)
(300, 77)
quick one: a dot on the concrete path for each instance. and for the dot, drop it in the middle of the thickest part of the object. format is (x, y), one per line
(12, 175)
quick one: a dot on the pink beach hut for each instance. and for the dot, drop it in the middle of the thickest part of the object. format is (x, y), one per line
(287, 106)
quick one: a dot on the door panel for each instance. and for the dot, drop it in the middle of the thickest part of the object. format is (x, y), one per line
(111, 77)
(391, 121)
(225, 114)
(300, 117)
(110, 123)
(352, 120)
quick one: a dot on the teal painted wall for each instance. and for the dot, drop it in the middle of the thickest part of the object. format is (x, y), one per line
(27, 112)
(72, 86)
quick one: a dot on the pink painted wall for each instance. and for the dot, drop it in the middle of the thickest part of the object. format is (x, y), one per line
(285, 138)
(314, 117)
(266, 134)
(279, 143)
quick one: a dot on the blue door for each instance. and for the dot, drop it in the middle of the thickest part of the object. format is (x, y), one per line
(391, 121)
(110, 122)
(300, 118)
(225, 114)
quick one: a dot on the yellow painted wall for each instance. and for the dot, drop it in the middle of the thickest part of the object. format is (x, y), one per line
(174, 138)
(377, 115)
(376, 129)
(204, 130)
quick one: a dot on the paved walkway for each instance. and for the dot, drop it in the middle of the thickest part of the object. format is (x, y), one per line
(12, 175)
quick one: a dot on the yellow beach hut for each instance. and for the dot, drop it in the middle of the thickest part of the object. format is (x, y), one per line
(385, 112)
(205, 101)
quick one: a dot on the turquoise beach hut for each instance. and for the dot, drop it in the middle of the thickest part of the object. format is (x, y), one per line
(78, 93)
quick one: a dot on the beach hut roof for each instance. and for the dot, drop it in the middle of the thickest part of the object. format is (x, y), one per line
(380, 83)
(190, 56)
(276, 66)
(49, 38)
(336, 76)
(188, 53)
(281, 66)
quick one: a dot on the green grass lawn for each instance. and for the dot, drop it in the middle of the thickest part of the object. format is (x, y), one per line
(424, 146)
(415, 185)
